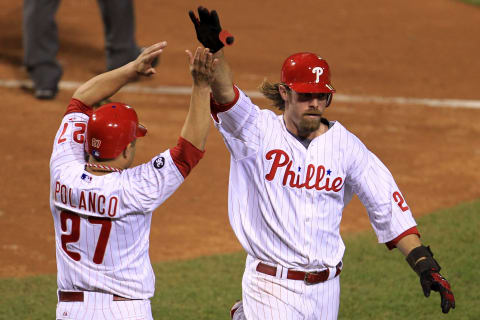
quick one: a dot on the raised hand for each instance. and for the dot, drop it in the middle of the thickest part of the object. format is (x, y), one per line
(202, 66)
(208, 29)
(143, 63)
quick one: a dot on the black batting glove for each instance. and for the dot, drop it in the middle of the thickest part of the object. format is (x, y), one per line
(422, 262)
(433, 280)
(208, 29)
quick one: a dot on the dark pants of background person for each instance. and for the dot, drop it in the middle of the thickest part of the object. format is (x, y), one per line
(41, 44)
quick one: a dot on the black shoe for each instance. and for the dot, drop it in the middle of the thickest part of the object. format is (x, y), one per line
(45, 79)
(45, 94)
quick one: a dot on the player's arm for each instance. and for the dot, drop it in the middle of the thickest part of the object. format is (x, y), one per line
(222, 86)
(197, 123)
(390, 214)
(69, 140)
(107, 84)
(166, 172)
(408, 243)
(236, 117)
(210, 34)
(191, 144)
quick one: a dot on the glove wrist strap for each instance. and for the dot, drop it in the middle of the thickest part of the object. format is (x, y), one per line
(425, 264)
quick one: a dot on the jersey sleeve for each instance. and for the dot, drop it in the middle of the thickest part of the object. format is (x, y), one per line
(185, 156)
(238, 122)
(372, 182)
(68, 145)
(147, 186)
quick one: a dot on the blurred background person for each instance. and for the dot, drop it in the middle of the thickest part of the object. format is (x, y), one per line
(41, 43)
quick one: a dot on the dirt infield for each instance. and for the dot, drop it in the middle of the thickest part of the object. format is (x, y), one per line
(424, 49)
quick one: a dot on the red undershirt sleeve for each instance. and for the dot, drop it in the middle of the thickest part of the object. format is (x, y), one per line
(77, 106)
(185, 156)
(215, 107)
(392, 244)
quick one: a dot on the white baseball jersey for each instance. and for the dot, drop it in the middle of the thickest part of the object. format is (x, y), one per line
(286, 201)
(102, 223)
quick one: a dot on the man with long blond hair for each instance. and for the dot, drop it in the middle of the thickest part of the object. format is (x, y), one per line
(291, 175)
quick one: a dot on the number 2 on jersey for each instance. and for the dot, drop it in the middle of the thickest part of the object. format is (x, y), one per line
(400, 201)
(74, 235)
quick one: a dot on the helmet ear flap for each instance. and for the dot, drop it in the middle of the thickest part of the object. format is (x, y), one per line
(329, 99)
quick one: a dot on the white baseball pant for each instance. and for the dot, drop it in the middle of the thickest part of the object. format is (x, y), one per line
(268, 297)
(100, 306)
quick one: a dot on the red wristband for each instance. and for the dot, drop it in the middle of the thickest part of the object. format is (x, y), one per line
(215, 107)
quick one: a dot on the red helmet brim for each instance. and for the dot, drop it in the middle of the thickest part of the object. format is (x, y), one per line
(305, 87)
(141, 131)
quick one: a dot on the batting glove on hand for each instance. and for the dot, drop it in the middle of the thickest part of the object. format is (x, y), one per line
(433, 280)
(422, 262)
(208, 29)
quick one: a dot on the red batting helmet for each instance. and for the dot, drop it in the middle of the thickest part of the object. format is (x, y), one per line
(111, 128)
(306, 72)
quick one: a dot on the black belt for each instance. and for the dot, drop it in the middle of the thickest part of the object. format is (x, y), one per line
(307, 277)
(77, 296)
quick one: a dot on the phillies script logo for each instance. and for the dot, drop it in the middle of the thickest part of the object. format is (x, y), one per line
(314, 177)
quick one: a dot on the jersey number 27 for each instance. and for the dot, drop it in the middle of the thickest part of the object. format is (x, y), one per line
(74, 236)
(78, 134)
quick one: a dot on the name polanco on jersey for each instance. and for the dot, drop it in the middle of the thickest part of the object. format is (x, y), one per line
(281, 159)
(85, 200)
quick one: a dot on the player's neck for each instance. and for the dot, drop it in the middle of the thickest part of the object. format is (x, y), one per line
(102, 168)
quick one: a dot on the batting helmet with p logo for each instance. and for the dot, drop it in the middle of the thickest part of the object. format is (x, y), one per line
(306, 72)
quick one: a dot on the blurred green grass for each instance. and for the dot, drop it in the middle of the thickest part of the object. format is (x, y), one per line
(376, 283)
(379, 284)
(474, 2)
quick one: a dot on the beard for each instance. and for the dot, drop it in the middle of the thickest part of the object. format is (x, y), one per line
(307, 126)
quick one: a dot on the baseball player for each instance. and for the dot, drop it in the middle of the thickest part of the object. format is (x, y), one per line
(102, 208)
(290, 178)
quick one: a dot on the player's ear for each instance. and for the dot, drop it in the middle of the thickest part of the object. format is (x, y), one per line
(283, 91)
(129, 149)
